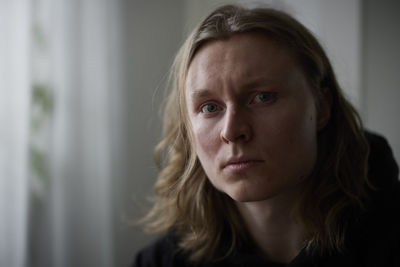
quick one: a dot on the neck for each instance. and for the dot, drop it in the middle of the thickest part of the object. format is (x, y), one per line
(272, 225)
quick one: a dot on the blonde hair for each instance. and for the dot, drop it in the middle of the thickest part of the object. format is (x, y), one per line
(186, 202)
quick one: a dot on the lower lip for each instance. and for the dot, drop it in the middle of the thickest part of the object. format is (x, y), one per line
(242, 166)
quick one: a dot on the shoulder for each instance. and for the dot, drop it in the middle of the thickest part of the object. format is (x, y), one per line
(377, 233)
(162, 252)
(383, 169)
(159, 253)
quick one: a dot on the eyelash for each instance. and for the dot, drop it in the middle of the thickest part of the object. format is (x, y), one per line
(270, 95)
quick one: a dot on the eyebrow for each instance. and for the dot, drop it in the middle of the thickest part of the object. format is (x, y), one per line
(253, 83)
(200, 93)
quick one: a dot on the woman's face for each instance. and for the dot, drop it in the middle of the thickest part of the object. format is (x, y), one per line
(253, 117)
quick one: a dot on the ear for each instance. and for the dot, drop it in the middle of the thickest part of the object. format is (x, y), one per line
(324, 108)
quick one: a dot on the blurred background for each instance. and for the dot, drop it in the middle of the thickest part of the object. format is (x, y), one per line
(81, 83)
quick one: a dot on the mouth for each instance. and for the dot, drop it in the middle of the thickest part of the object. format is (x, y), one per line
(241, 165)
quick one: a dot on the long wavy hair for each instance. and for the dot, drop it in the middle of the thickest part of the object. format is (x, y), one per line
(185, 201)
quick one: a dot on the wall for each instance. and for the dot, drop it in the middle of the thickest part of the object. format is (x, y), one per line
(381, 65)
(153, 32)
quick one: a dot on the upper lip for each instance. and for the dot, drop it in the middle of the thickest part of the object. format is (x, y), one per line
(238, 160)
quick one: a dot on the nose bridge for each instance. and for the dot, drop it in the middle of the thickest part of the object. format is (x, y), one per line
(236, 125)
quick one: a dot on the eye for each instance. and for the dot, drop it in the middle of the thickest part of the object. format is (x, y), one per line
(264, 97)
(209, 108)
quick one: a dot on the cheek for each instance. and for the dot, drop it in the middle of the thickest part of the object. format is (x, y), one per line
(302, 131)
(206, 140)
(290, 137)
(207, 147)
(286, 125)
(303, 139)
(300, 120)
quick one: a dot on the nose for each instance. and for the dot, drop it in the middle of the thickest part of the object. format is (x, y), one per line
(236, 127)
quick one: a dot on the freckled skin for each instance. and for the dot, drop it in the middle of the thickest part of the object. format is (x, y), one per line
(279, 136)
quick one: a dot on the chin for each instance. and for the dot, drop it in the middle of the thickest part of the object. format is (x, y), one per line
(248, 194)
(251, 198)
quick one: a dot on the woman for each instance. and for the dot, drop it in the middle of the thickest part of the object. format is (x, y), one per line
(265, 162)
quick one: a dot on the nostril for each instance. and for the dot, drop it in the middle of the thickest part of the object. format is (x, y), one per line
(240, 134)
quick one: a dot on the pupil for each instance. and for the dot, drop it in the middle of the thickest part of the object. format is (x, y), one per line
(264, 97)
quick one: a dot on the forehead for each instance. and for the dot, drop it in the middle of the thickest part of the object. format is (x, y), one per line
(241, 58)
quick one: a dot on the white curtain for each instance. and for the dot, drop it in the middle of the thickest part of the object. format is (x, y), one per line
(78, 67)
(14, 126)
(85, 50)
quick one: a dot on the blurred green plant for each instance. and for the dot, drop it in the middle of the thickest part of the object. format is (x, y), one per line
(38, 36)
(38, 162)
(42, 103)
(41, 111)
(42, 108)
(42, 96)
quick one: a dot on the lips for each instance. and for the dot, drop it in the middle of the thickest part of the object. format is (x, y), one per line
(241, 164)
